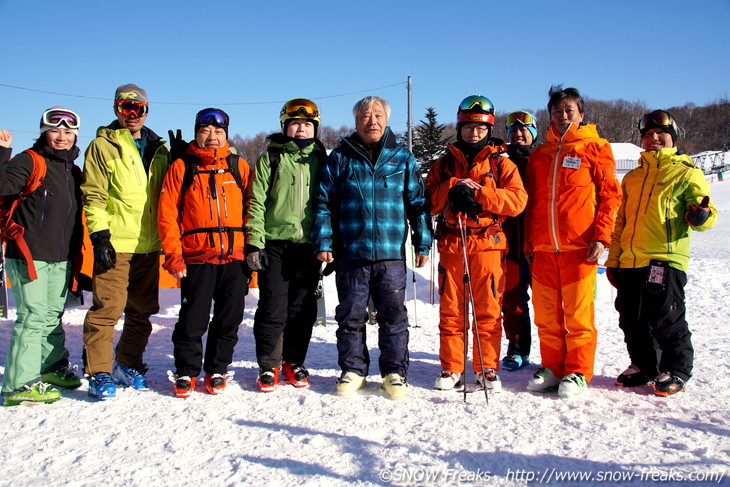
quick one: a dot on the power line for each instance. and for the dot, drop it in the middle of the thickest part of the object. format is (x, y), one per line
(198, 103)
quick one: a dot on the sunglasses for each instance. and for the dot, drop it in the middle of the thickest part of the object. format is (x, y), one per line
(212, 116)
(300, 106)
(477, 103)
(657, 118)
(128, 108)
(56, 118)
(522, 118)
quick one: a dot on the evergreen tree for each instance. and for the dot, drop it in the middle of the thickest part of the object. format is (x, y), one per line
(429, 140)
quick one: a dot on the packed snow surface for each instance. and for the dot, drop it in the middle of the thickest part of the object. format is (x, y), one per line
(312, 437)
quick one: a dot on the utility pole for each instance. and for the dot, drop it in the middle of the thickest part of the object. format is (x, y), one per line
(410, 116)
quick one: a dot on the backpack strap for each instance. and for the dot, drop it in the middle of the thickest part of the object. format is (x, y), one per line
(10, 229)
(233, 167)
(274, 160)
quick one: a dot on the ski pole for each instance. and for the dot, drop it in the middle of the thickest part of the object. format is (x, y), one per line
(432, 285)
(467, 285)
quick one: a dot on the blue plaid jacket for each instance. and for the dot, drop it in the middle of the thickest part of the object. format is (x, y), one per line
(362, 209)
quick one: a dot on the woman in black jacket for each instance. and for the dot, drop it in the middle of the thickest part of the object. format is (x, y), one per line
(37, 358)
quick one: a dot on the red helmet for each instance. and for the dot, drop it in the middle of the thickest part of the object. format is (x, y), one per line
(475, 109)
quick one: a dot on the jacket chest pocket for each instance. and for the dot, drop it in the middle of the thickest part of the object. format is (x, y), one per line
(394, 179)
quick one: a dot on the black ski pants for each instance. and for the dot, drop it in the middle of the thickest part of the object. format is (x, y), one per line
(224, 284)
(652, 318)
(287, 304)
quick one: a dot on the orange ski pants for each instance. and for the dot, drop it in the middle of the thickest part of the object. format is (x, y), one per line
(487, 284)
(562, 294)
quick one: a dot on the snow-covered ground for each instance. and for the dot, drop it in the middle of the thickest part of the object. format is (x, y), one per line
(312, 437)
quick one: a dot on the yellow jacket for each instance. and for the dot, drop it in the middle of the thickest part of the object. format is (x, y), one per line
(651, 219)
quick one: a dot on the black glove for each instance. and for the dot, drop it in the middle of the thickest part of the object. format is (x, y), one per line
(612, 275)
(257, 259)
(462, 200)
(697, 215)
(104, 253)
(177, 145)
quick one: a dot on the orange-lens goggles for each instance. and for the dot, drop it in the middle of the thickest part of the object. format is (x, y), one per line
(523, 118)
(658, 118)
(128, 108)
(298, 107)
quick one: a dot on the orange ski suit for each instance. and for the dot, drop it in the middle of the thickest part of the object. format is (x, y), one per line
(206, 206)
(501, 195)
(574, 197)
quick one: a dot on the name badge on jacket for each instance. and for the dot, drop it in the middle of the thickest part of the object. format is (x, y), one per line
(571, 162)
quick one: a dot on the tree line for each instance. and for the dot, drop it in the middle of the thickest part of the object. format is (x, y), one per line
(701, 128)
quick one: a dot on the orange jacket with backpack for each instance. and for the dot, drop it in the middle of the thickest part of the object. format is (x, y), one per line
(204, 222)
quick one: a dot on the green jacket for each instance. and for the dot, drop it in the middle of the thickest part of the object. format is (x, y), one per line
(119, 195)
(284, 211)
(651, 219)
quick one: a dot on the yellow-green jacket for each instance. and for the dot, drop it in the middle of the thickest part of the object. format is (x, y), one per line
(119, 194)
(651, 219)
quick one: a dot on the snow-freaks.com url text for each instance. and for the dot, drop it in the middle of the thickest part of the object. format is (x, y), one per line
(547, 476)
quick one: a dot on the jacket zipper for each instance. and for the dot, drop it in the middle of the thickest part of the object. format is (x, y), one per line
(300, 233)
(136, 170)
(638, 208)
(43, 208)
(668, 224)
(214, 180)
(69, 189)
(210, 204)
(385, 178)
(554, 193)
(225, 202)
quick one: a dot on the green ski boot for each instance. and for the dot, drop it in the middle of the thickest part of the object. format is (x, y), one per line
(38, 392)
(64, 377)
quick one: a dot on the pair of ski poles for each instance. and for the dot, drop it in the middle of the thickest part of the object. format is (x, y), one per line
(469, 301)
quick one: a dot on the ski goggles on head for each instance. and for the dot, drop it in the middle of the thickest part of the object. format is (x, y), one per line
(522, 118)
(300, 108)
(128, 108)
(476, 103)
(55, 117)
(657, 118)
(212, 116)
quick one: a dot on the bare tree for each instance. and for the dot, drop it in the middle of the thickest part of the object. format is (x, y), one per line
(250, 148)
(330, 137)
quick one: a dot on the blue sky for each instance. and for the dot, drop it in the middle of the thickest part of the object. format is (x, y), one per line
(250, 57)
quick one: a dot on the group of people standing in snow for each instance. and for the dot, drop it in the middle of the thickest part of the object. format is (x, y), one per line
(509, 217)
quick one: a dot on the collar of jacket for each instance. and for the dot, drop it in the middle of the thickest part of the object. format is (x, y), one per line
(113, 132)
(58, 155)
(208, 157)
(284, 143)
(493, 147)
(575, 132)
(657, 158)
